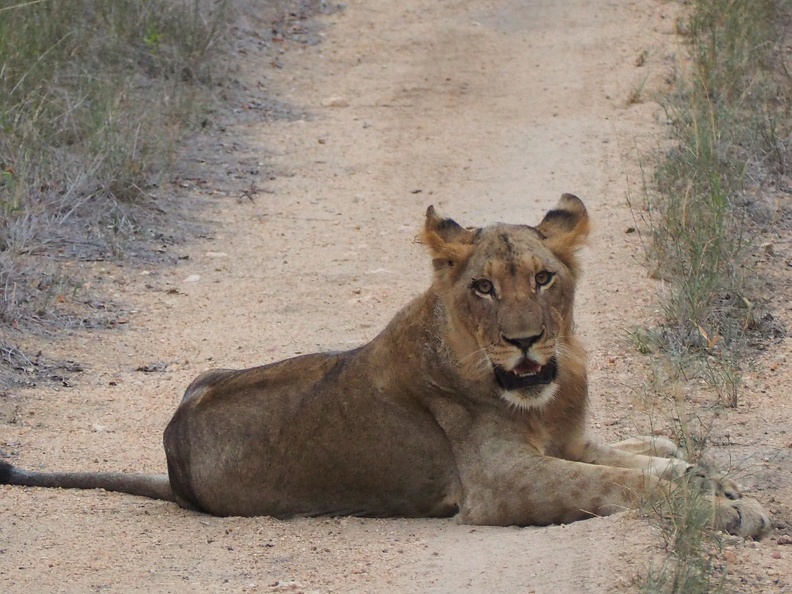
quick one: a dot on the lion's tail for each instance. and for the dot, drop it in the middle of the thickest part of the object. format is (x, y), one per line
(154, 486)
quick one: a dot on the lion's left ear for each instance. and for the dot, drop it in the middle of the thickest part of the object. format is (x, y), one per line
(449, 243)
(565, 229)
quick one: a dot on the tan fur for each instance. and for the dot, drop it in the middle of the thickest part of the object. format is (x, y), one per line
(472, 401)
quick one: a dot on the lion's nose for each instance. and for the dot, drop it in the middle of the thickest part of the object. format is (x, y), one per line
(524, 343)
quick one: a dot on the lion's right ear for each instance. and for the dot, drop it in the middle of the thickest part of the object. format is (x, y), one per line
(449, 243)
(565, 229)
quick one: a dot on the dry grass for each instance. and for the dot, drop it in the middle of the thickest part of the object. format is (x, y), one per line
(98, 100)
(731, 121)
(93, 96)
(731, 116)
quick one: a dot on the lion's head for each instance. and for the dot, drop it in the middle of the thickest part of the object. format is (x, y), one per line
(508, 293)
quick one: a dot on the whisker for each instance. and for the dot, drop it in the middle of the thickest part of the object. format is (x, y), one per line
(473, 354)
(564, 350)
(476, 362)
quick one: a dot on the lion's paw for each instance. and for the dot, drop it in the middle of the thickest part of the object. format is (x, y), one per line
(742, 517)
(701, 477)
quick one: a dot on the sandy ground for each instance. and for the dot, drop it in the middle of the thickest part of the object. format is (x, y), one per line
(489, 111)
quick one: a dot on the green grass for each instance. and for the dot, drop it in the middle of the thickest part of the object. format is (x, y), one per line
(94, 96)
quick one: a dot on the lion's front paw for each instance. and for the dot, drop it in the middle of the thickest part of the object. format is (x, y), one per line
(703, 478)
(742, 517)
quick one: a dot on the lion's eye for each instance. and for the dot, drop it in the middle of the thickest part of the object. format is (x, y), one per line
(543, 278)
(482, 286)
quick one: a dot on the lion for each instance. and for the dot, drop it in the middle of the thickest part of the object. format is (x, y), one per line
(471, 403)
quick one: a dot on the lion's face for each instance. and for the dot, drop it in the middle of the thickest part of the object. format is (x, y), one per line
(509, 292)
(515, 299)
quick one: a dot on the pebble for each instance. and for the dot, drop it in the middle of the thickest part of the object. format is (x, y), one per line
(193, 278)
(335, 102)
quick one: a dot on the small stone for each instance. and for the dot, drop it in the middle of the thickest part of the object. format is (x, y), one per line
(335, 102)
(193, 278)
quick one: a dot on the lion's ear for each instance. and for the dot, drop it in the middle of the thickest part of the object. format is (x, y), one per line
(565, 229)
(449, 243)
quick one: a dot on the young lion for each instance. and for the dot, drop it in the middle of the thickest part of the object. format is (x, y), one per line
(472, 401)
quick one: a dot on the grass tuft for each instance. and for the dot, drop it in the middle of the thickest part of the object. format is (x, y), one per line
(692, 565)
(692, 562)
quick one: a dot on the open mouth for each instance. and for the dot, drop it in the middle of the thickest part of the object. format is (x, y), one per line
(527, 374)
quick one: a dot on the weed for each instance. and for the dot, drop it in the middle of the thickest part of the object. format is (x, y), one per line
(691, 563)
(636, 94)
(691, 567)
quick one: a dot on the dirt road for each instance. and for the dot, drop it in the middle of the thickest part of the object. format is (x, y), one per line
(489, 111)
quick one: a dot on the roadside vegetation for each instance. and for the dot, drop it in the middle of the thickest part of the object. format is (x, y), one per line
(94, 97)
(713, 191)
